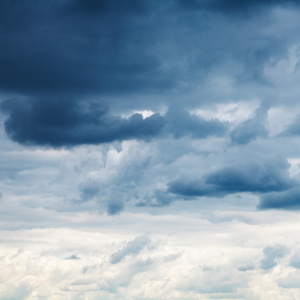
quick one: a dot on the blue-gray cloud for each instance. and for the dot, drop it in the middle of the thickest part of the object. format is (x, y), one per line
(66, 123)
(281, 200)
(247, 267)
(181, 123)
(292, 129)
(251, 175)
(76, 47)
(251, 129)
(295, 260)
(271, 256)
(114, 207)
(117, 49)
(57, 123)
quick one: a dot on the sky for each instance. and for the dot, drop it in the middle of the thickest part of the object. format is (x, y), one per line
(149, 150)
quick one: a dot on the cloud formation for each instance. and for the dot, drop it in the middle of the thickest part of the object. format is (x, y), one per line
(114, 114)
(67, 123)
(271, 256)
(255, 175)
(281, 200)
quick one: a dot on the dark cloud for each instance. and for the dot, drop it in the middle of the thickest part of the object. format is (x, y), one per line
(118, 50)
(102, 6)
(248, 175)
(87, 47)
(116, 47)
(133, 247)
(58, 123)
(284, 200)
(271, 255)
(255, 178)
(66, 123)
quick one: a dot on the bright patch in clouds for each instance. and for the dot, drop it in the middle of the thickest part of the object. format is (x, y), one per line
(232, 112)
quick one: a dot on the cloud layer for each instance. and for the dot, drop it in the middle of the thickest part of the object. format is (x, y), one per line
(148, 147)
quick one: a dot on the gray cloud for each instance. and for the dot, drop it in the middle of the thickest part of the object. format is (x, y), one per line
(67, 123)
(247, 267)
(79, 47)
(257, 175)
(271, 255)
(115, 207)
(295, 260)
(251, 129)
(57, 123)
(120, 51)
(293, 129)
(281, 200)
(181, 123)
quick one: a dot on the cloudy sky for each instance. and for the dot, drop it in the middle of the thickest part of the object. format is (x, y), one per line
(149, 149)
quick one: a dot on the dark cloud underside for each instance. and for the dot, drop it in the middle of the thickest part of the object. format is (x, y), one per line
(66, 123)
(284, 200)
(58, 123)
(257, 175)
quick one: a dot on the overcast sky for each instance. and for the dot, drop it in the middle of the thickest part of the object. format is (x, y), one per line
(149, 149)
